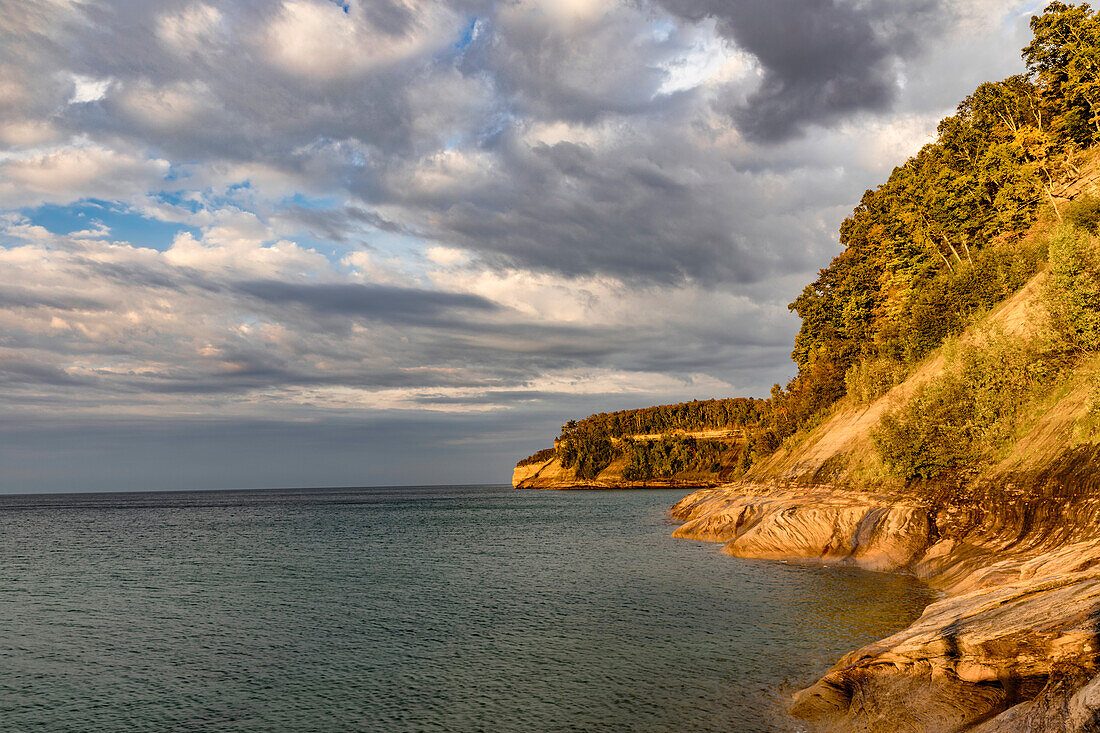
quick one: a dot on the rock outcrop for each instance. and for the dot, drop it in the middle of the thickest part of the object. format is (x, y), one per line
(1010, 538)
(1013, 645)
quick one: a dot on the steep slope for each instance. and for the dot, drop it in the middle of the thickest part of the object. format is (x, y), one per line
(841, 448)
(945, 416)
(1014, 544)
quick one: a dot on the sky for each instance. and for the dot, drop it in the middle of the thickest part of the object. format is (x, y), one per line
(259, 243)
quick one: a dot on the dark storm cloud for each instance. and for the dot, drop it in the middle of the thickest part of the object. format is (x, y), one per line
(382, 302)
(821, 59)
(16, 371)
(13, 297)
(658, 210)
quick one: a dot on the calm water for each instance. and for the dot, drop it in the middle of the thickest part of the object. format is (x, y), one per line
(433, 609)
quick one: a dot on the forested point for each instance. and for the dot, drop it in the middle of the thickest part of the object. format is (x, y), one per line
(951, 233)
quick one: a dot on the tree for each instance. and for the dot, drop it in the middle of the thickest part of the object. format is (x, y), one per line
(1064, 57)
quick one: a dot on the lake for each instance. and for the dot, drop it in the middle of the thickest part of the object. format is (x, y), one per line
(475, 608)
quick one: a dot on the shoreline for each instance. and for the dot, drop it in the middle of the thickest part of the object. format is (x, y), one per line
(1012, 642)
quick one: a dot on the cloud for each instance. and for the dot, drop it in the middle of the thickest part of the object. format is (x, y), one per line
(16, 297)
(64, 175)
(322, 41)
(820, 60)
(399, 212)
(577, 61)
(191, 30)
(395, 304)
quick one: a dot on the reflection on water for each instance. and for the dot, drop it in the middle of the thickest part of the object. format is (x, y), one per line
(447, 608)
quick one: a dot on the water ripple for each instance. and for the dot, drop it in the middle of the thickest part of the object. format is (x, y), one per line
(433, 609)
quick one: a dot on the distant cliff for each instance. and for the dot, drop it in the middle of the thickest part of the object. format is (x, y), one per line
(688, 459)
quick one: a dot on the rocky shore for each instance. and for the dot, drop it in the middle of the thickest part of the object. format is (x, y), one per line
(1010, 537)
(1013, 645)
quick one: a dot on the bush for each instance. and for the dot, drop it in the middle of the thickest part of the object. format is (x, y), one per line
(540, 457)
(868, 380)
(947, 302)
(1084, 213)
(669, 456)
(932, 434)
(970, 410)
(1073, 293)
(587, 454)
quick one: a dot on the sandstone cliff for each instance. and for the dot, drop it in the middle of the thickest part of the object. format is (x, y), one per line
(1014, 643)
(550, 474)
(1010, 538)
(1012, 646)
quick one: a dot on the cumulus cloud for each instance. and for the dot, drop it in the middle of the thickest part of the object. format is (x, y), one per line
(321, 40)
(66, 174)
(311, 210)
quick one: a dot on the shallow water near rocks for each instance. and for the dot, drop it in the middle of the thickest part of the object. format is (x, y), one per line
(408, 609)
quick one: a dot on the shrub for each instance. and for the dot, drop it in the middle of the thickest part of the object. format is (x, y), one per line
(587, 454)
(1073, 292)
(970, 409)
(870, 379)
(669, 456)
(540, 457)
(930, 435)
(1084, 213)
(947, 302)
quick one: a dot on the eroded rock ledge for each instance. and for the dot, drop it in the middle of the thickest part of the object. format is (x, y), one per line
(1012, 646)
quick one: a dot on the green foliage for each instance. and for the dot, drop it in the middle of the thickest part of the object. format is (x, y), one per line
(870, 379)
(691, 416)
(587, 454)
(950, 300)
(962, 417)
(930, 435)
(539, 457)
(589, 445)
(914, 270)
(970, 410)
(1073, 292)
(668, 456)
(924, 254)
(1064, 58)
(1084, 213)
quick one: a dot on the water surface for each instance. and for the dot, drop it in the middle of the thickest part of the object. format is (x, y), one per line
(407, 609)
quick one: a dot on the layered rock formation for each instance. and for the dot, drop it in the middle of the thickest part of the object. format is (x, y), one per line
(1013, 544)
(1013, 645)
(550, 474)
(1010, 538)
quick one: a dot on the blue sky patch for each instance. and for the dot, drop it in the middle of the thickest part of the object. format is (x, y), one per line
(124, 224)
(467, 36)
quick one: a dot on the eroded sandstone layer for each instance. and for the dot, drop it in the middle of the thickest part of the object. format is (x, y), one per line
(1012, 646)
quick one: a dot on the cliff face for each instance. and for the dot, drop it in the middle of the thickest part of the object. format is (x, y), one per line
(1010, 534)
(1014, 644)
(550, 474)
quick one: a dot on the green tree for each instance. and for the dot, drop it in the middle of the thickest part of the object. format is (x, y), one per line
(1065, 58)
